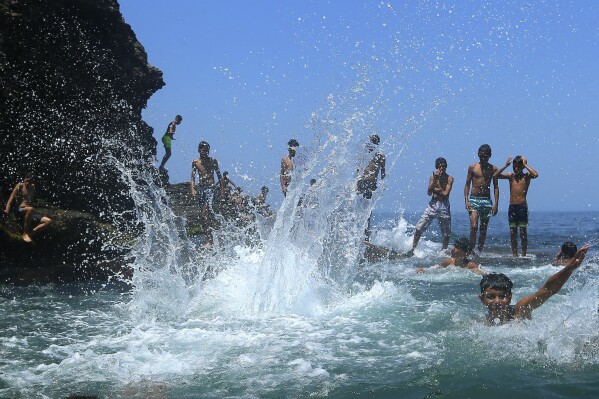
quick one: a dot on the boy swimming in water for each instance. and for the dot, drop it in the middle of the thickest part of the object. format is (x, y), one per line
(518, 210)
(566, 252)
(478, 201)
(496, 292)
(459, 258)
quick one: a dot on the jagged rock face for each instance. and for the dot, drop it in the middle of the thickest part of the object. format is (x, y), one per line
(73, 81)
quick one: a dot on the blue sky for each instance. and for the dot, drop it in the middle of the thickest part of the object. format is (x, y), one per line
(431, 78)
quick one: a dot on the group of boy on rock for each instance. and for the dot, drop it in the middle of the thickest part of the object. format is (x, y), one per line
(495, 288)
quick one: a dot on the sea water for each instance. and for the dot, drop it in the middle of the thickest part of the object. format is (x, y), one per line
(391, 332)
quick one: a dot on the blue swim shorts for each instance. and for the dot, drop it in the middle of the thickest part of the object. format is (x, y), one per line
(482, 205)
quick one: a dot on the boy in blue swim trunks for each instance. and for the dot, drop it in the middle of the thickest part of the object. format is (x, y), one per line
(478, 201)
(518, 211)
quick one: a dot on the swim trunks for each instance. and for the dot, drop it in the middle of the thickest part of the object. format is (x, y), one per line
(436, 210)
(36, 217)
(167, 141)
(518, 215)
(205, 195)
(366, 187)
(481, 205)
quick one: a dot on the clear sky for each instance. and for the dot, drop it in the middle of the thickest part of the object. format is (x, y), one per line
(432, 78)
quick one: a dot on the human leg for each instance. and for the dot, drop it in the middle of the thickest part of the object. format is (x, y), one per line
(482, 235)
(514, 241)
(44, 222)
(524, 239)
(166, 157)
(27, 212)
(473, 228)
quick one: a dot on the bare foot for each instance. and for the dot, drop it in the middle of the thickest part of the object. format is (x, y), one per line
(26, 238)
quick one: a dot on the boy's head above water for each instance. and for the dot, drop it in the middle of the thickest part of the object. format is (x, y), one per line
(496, 291)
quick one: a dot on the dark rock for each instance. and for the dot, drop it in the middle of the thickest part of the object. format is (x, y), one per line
(74, 80)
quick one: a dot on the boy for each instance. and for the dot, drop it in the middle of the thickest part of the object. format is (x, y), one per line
(518, 210)
(459, 257)
(205, 167)
(367, 183)
(496, 293)
(439, 187)
(287, 165)
(168, 138)
(478, 202)
(567, 252)
(26, 191)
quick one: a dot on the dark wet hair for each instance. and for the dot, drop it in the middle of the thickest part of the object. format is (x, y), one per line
(518, 160)
(464, 244)
(440, 161)
(292, 143)
(178, 118)
(375, 139)
(498, 281)
(264, 188)
(568, 250)
(486, 148)
(203, 144)
(312, 181)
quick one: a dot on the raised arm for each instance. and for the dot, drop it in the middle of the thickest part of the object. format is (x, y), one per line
(533, 173)
(526, 305)
(499, 174)
(431, 184)
(445, 192)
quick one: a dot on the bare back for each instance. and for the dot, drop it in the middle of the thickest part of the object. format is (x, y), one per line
(374, 167)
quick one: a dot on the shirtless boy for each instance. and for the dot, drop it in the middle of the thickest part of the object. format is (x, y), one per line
(439, 187)
(205, 167)
(478, 200)
(459, 257)
(25, 190)
(496, 292)
(168, 138)
(287, 165)
(368, 179)
(367, 183)
(518, 210)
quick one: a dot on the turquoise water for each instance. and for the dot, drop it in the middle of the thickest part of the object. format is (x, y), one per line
(391, 333)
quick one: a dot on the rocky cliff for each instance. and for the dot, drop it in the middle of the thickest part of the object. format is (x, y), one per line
(73, 82)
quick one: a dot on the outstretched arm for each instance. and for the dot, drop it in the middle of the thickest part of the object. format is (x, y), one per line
(533, 173)
(526, 305)
(499, 174)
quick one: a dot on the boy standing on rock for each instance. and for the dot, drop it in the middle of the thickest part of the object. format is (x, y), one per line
(168, 138)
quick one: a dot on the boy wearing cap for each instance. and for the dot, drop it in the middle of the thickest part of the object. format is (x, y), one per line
(518, 210)
(496, 293)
